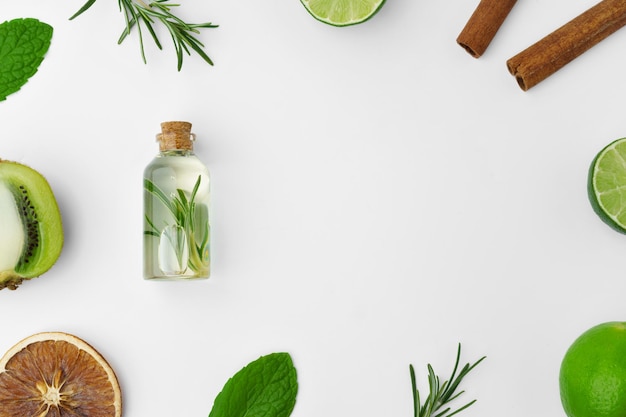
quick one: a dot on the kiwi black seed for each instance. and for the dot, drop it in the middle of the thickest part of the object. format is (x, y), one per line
(37, 212)
(31, 227)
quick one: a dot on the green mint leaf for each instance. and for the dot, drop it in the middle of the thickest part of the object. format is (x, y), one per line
(23, 44)
(266, 387)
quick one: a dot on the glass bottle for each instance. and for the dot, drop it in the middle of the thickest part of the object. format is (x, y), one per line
(176, 209)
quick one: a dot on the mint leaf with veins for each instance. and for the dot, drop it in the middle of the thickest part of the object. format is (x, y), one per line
(266, 387)
(23, 44)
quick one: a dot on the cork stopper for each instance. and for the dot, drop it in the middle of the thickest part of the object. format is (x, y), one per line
(175, 136)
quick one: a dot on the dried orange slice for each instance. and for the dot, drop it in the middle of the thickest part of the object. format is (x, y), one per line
(55, 374)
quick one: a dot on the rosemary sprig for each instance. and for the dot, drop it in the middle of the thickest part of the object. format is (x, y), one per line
(440, 393)
(184, 211)
(139, 13)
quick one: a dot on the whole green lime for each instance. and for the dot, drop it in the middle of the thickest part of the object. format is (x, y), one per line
(592, 378)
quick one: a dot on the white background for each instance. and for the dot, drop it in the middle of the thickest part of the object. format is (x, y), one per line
(379, 196)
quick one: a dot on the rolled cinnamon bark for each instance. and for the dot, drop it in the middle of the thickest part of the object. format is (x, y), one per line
(482, 26)
(553, 52)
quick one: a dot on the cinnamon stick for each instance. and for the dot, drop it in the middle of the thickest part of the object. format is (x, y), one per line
(482, 26)
(548, 55)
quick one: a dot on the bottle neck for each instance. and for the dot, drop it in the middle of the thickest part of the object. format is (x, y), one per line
(176, 152)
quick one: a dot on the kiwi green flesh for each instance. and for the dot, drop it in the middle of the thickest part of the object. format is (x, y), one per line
(34, 244)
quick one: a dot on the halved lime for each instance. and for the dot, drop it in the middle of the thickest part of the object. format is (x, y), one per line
(606, 185)
(343, 12)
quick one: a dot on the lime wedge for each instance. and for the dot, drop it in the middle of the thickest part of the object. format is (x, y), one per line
(342, 12)
(606, 185)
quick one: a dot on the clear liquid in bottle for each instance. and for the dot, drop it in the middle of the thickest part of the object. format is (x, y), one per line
(176, 209)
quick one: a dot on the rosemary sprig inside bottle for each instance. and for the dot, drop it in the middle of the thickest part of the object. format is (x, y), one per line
(188, 236)
(441, 394)
(138, 13)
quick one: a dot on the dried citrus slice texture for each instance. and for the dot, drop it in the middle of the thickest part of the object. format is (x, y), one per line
(55, 374)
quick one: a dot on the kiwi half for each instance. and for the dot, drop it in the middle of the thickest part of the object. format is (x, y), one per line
(31, 236)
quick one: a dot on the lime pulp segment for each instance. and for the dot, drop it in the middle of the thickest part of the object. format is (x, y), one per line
(342, 12)
(607, 185)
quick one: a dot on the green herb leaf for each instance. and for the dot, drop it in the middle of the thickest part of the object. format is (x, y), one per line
(440, 395)
(183, 210)
(266, 387)
(23, 44)
(83, 9)
(140, 13)
(153, 188)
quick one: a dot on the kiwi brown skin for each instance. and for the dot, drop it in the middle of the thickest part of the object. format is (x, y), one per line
(37, 211)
